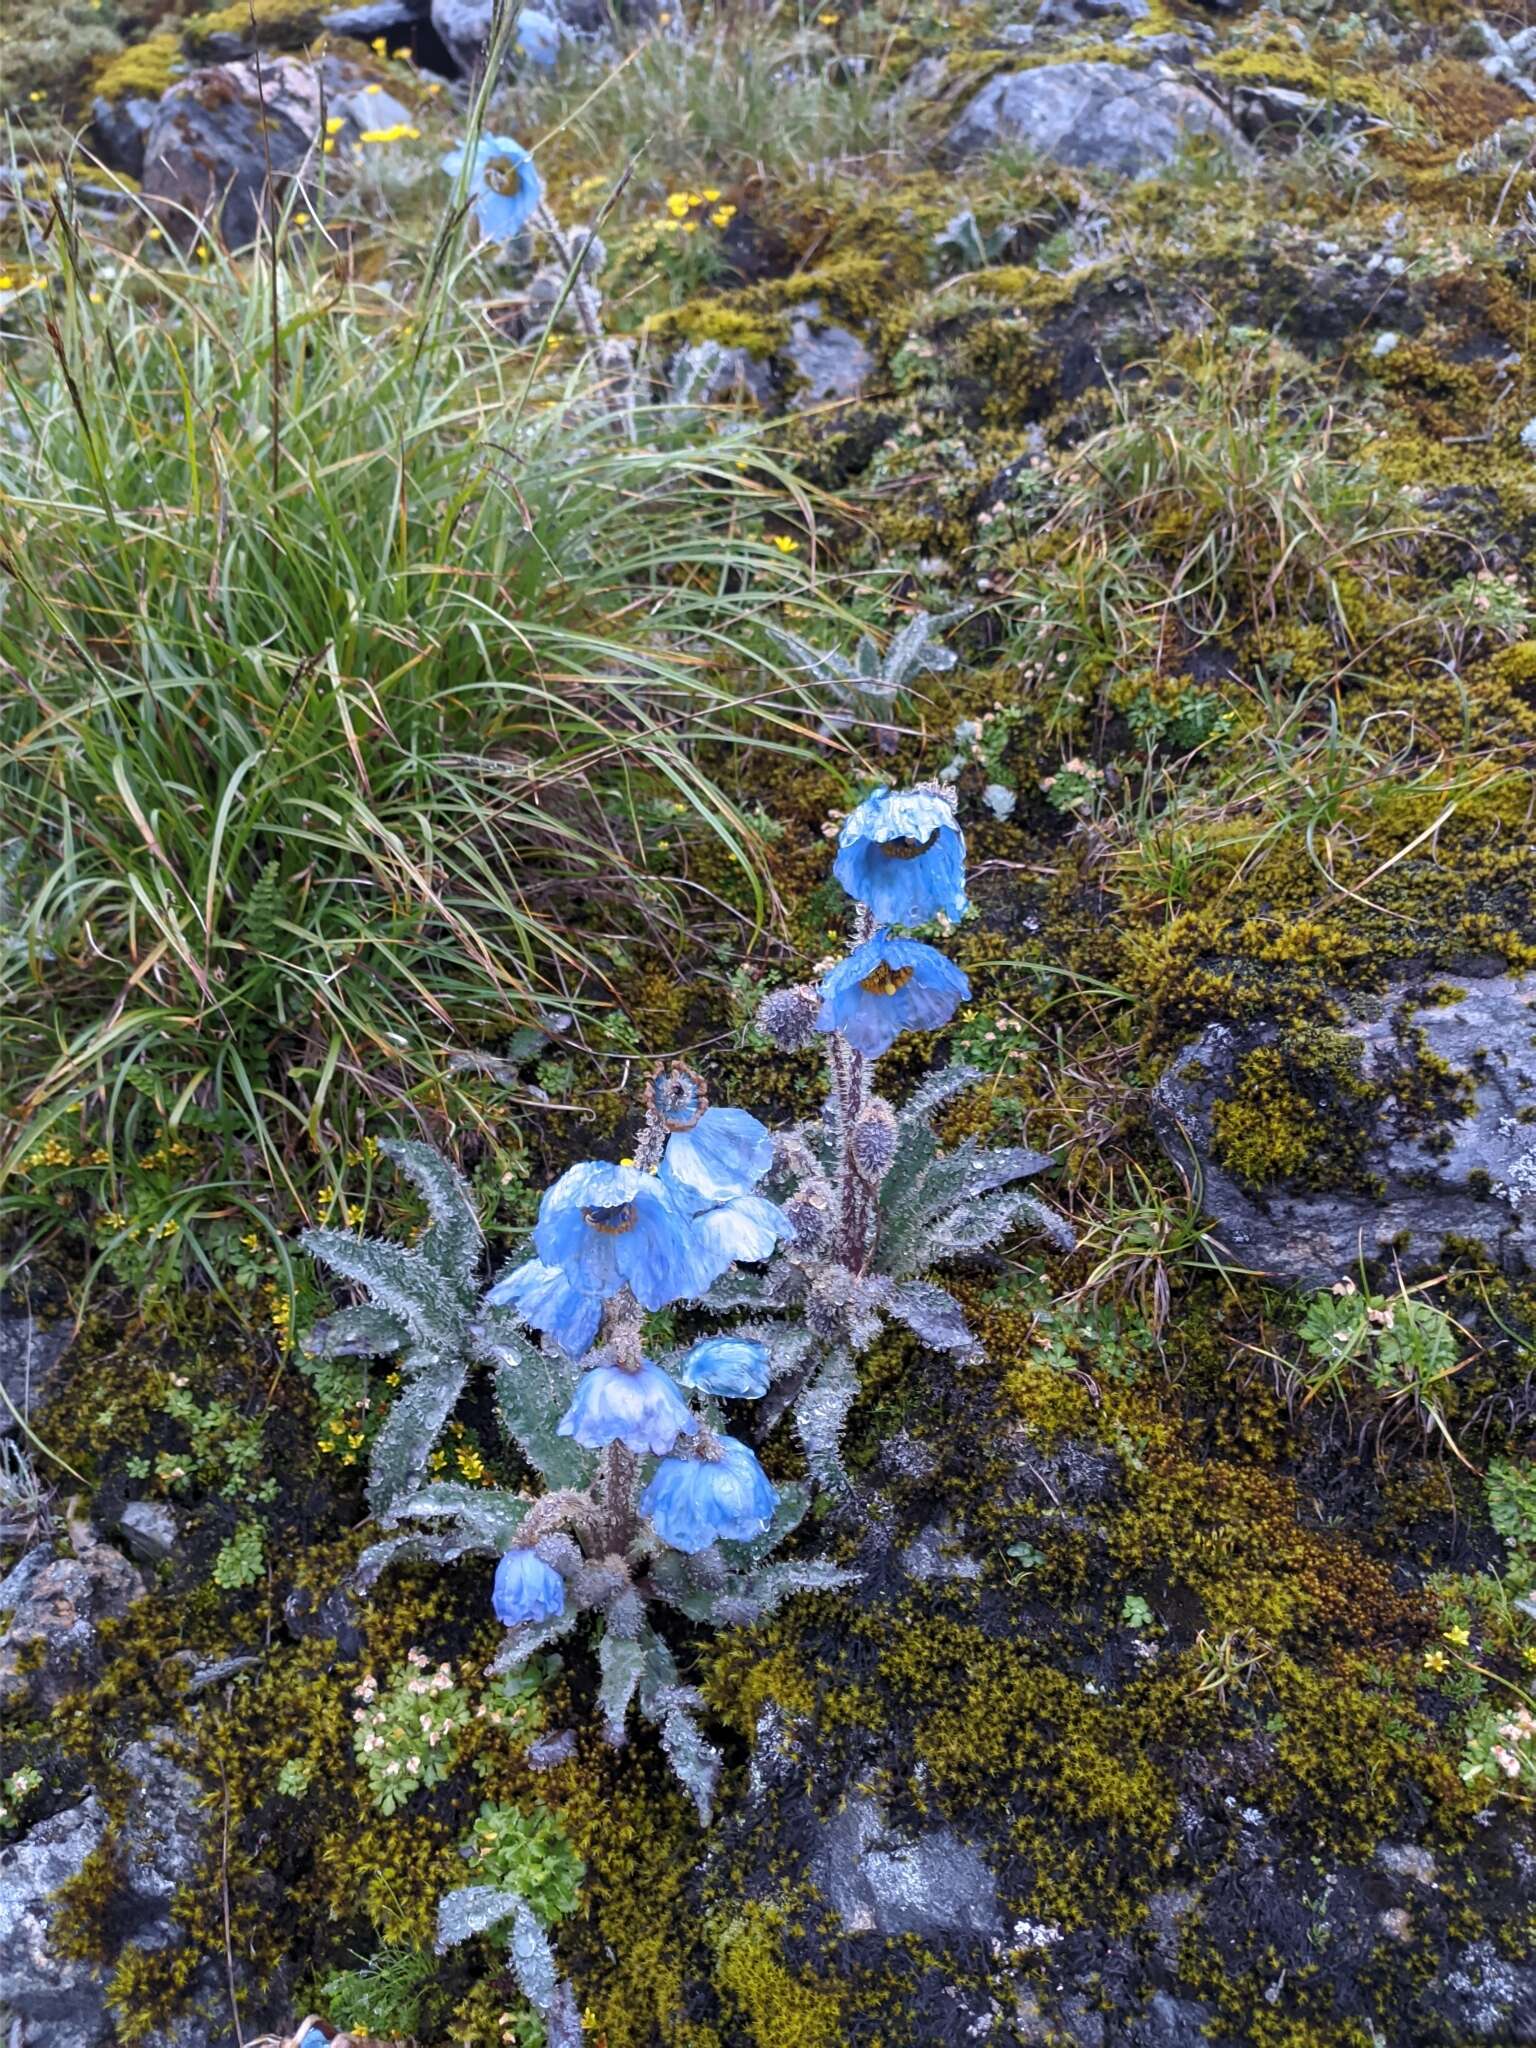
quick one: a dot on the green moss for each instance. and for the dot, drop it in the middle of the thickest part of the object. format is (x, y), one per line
(1298, 1112)
(144, 70)
(778, 2009)
(276, 24)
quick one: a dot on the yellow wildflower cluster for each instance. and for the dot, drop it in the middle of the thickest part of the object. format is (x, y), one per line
(52, 1152)
(343, 1436)
(401, 131)
(282, 1317)
(687, 210)
(460, 1458)
(14, 282)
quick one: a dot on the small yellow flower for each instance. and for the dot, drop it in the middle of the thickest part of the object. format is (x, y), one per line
(7, 284)
(328, 147)
(335, 124)
(403, 56)
(785, 543)
(1435, 1660)
(36, 96)
(301, 220)
(97, 298)
(379, 46)
(829, 20)
(202, 252)
(1458, 1638)
(723, 216)
(678, 203)
(690, 227)
(373, 88)
(710, 194)
(668, 227)
(156, 234)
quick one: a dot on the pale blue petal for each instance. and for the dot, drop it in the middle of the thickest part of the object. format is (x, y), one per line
(725, 1153)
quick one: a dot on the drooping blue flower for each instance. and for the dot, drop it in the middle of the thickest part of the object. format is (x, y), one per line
(739, 1232)
(641, 1410)
(901, 853)
(736, 1367)
(526, 1589)
(504, 185)
(723, 1495)
(539, 36)
(887, 986)
(725, 1154)
(544, 1297)
(605, 1227)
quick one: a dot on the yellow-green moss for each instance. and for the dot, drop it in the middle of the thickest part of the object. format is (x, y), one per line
(778, 2008)
(143, 71)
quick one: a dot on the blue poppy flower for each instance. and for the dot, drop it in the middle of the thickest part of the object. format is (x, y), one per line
(901, 853)
(737, 1233)
(641, 1410)
(677, 1096)
(544, 1297)
(726, 1153)
(539, 36)
(605, 1227)
(526, 1589)
(736, 1367)
(887, 986)
(721, 1496)
(504, 185)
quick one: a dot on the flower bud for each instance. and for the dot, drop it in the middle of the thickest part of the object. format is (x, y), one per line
(874, 1139)
(788, 1017)
(808, 1212)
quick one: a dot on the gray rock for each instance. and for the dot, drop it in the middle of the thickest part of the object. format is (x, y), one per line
(1077, 13)
(1265, 109)
(830, 361)
(49, 1645)
(119, 129)
(28, 1355)
(1472, 1177)
(463, 25)
(931, 1884)
(387, 18)
(370, 106)
(705, 373)
(149, 1528)
(50, 2001)
(160, 1844)
(207, 156)
(1093, 116)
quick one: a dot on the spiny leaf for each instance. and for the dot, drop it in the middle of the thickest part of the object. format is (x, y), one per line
(820, 1414)
(452, 1241)
(363, 1331)
(621, 1663)
(413, 1425)
(933, 1315)
(533, 1390)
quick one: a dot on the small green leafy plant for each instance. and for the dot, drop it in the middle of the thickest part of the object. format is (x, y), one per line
(240, 1561)
(1396, 1347)
(528, 1854)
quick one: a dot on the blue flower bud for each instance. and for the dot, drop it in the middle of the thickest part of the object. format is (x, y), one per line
(526, 1589)
(641, 1409)
(722, 1496)
(735, 1367)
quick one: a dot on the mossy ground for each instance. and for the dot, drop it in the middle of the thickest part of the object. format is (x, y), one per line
(1228, 480)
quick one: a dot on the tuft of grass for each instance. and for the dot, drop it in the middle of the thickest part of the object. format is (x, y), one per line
(761, 95)
(356, 674)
